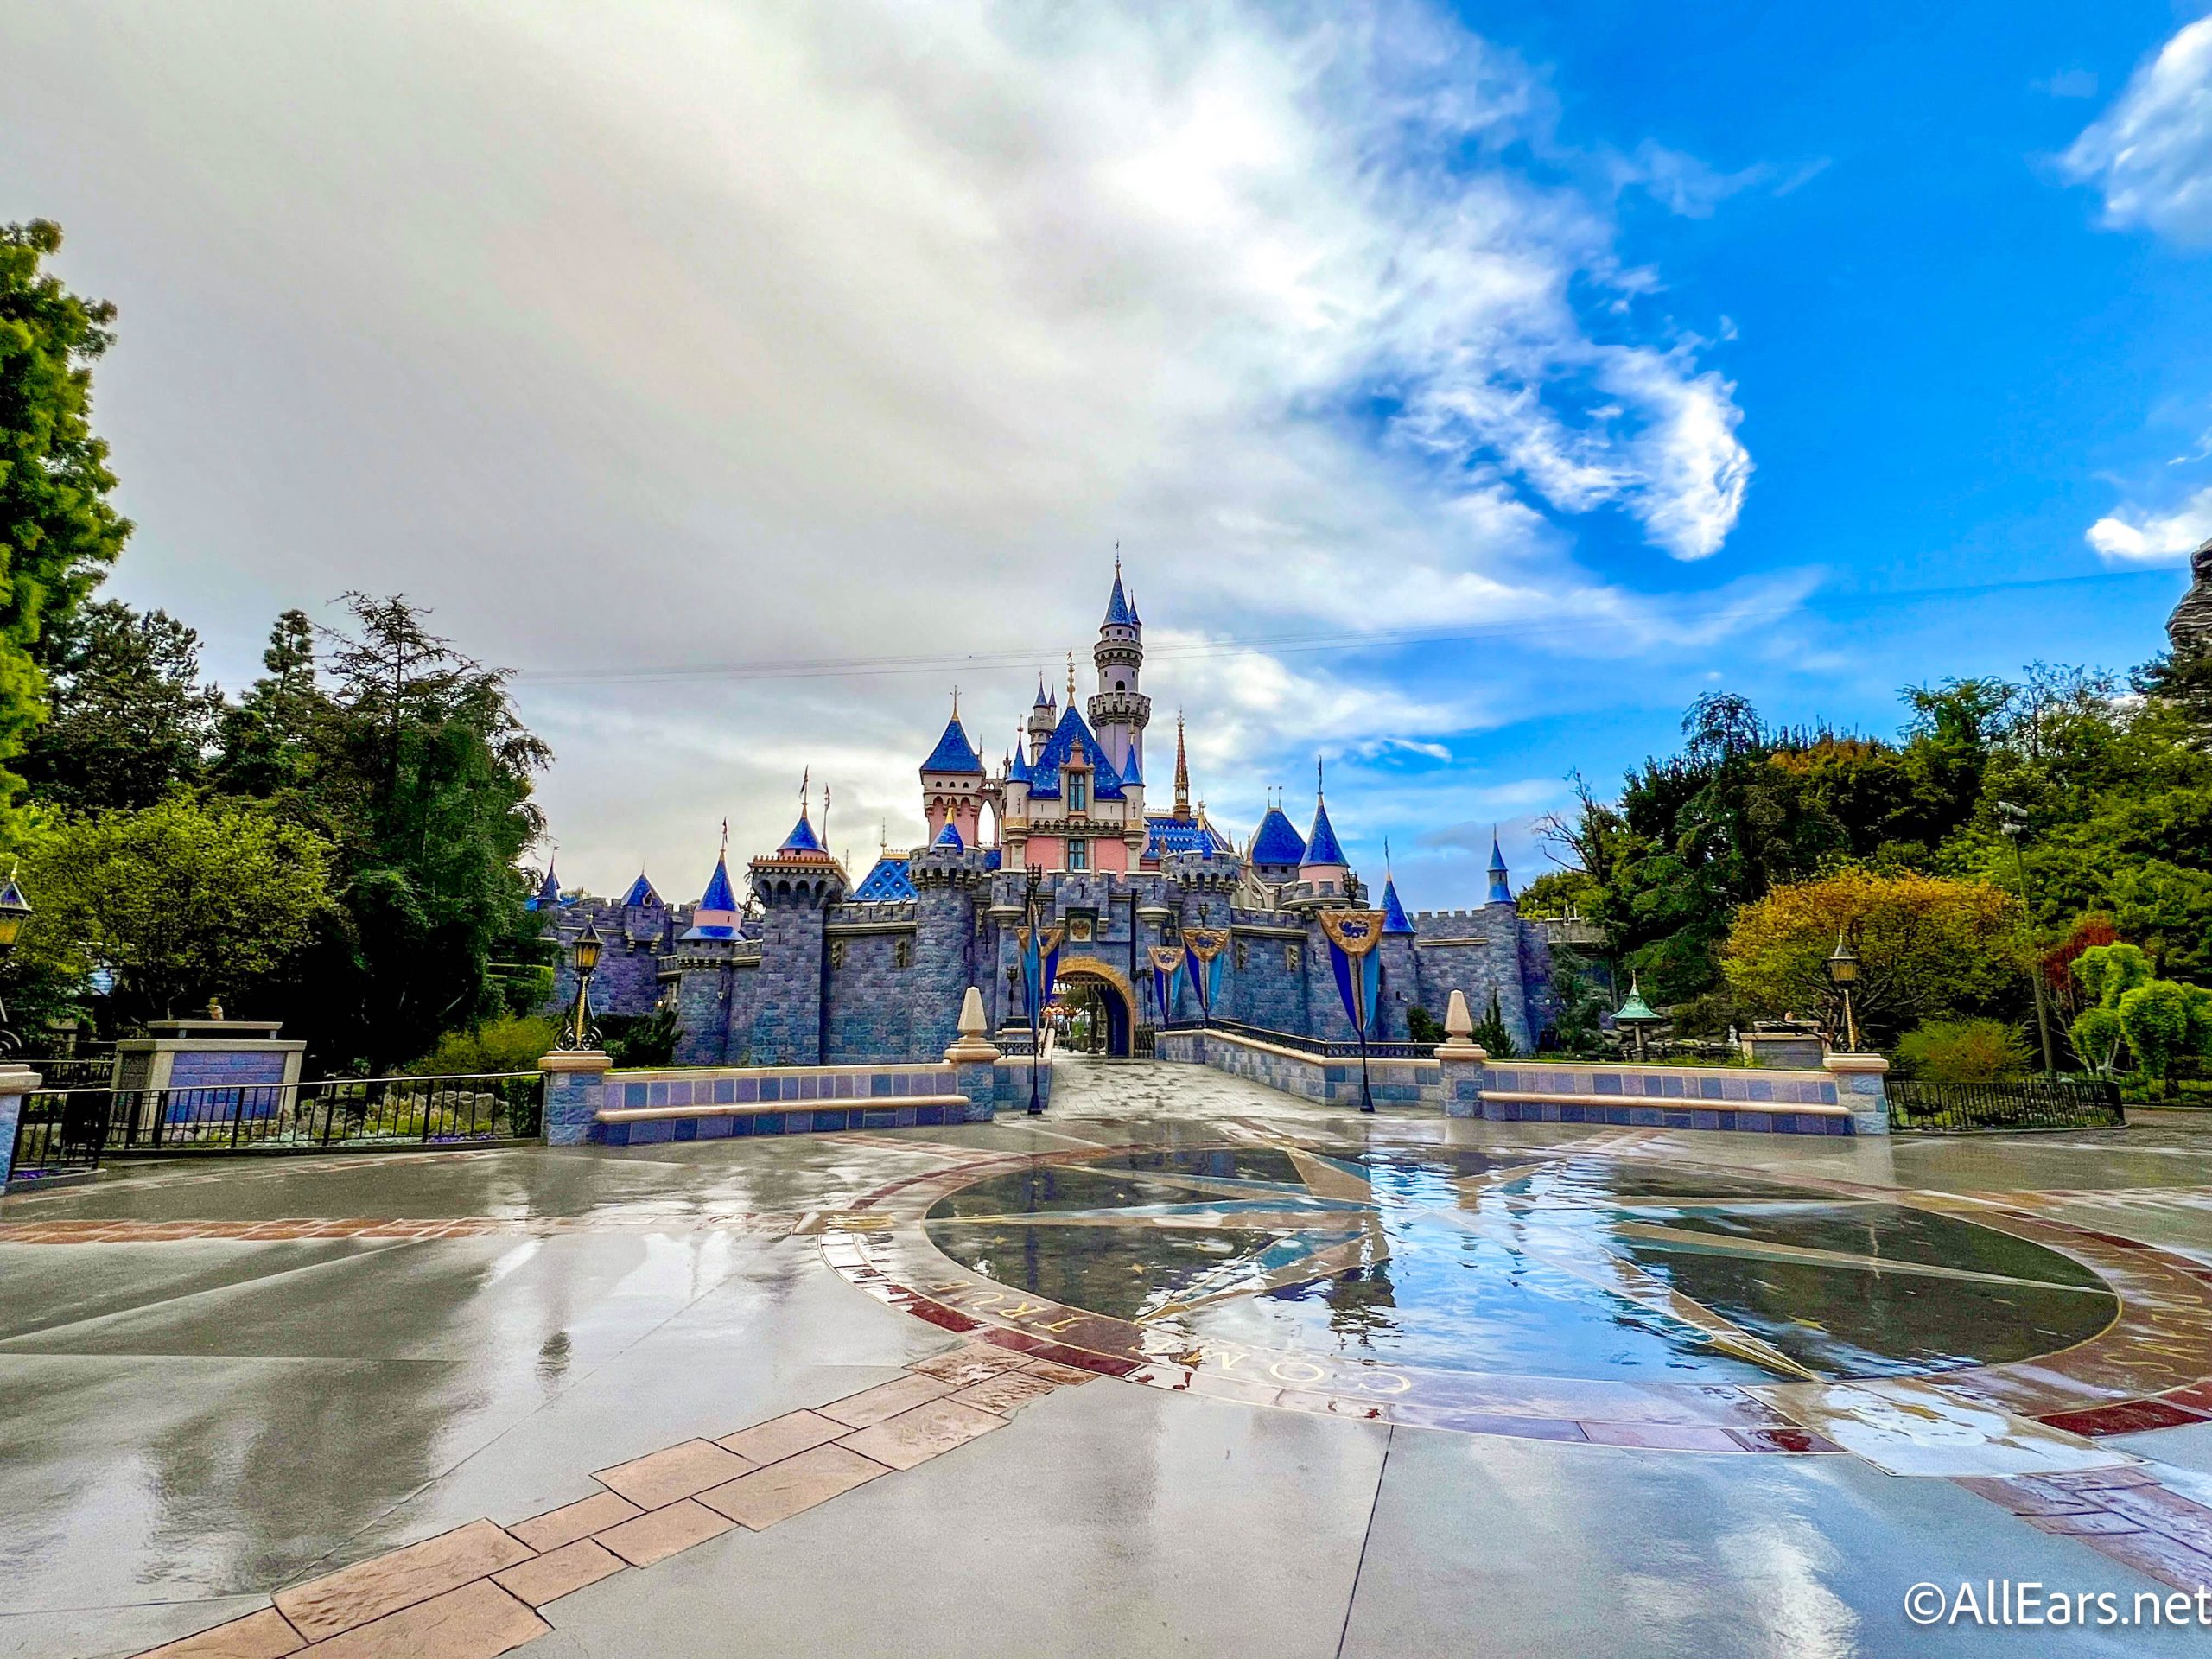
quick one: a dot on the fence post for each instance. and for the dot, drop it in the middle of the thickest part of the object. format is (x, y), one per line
(16, 1082)
(574, 1081)
(1859, 1085)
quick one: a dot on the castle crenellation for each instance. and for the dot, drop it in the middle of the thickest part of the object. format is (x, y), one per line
(815, 967)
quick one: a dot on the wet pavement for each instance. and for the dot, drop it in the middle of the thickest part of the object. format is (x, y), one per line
(220, 1379)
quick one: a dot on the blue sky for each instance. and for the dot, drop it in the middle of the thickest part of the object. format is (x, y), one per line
(1590, 355)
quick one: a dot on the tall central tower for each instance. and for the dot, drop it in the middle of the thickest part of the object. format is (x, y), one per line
(1120, 712)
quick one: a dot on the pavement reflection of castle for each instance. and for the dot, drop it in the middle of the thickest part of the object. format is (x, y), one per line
(816, 969)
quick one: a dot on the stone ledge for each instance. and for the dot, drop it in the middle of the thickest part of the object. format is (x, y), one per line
(1664, 1103)
(751, 1108)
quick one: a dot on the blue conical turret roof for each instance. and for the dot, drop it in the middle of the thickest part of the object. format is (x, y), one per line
(1017, 770)
(718, 895)
(1394, 920)
(1277, 840)
(1321, 840)
(1118, 613)
(641, 893)
(1043, 702)
(1500, 892)
(954, 752)
(802, 838)
(548, 891)
(950, 837)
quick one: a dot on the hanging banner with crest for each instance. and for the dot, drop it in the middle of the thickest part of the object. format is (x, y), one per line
(1205, 945)
(1167, 963)
(1040, 966)
(1353, 936)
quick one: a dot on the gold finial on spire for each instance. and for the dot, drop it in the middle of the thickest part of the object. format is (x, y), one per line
(1182, 772)
(1070, 679)
(956, 702)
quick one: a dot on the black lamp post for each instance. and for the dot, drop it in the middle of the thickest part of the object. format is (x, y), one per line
(15, 911)
(2013, 822)
(1033, 883)
(585, 953)
(1843, 974)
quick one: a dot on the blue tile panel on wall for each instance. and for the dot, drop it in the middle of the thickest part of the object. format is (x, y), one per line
(221, 1068)
(1658, 1117)
(737, 1125)
(1780, 1088)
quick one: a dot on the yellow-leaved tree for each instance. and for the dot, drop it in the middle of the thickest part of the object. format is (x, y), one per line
(1926, 945)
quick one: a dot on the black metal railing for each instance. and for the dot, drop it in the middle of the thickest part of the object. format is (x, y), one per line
(1321, 1048)
(2025, 1104)
(330, 1112)
(59, 1131)
(73, 1070)
(1142, 1043)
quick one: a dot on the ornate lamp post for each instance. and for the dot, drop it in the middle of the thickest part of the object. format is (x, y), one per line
(1843, 974)
(585, 953)
(15, 911)
(2013, 822)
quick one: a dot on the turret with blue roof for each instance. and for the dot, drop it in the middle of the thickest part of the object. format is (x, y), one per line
(1277, 848)
(1500, 892)
(1071, 736)
(716, 918)
(954, 755)
(1325, 860)
(641, 893)
(1394, 920)
(548, 896)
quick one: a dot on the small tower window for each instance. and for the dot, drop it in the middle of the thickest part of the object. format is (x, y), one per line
(1078, 854)
(1078, 792)
(1121, 685)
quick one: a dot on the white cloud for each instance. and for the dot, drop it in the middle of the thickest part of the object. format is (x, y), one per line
(2151, 153)
(693, 333)
(2135, 538)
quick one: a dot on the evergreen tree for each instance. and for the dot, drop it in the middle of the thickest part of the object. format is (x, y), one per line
(132, 721)
(272, 736)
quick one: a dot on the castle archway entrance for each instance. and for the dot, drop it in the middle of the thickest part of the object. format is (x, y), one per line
(1104, 993)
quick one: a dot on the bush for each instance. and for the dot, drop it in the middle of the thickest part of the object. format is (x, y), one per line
(632, 1039)
(1491, 1034)
(1422, 1025)
(1962, 1051)
(511, 1043)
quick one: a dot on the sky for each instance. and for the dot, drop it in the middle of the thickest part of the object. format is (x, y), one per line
(1465, 388)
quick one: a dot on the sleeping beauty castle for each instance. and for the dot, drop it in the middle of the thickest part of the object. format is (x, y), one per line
(797, 963)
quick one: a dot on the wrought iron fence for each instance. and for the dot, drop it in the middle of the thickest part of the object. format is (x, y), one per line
(73, 1070)
(59, 1131)
(2025, 1103)
(332, 1112)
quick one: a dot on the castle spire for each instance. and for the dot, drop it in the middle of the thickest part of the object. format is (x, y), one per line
(1070, 679)
(1182, 773)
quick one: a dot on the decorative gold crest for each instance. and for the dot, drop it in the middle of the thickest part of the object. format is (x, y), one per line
(1206, 942)
(1354, 932)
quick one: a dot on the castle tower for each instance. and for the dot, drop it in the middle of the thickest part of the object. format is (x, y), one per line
(1120, 712)
(1325, 860)
(1043, 717)
(1182, 773)
(952, 783)
(796, 886)
(1500, 892)
(1277, 848)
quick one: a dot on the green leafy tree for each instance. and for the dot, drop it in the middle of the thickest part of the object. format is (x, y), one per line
(181, 901)
(131, 721)
(58, 533)
(2164, 1020)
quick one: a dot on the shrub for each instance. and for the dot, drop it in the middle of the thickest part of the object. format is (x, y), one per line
(1422, 1025)
(511, 1043)
(1962, 1051)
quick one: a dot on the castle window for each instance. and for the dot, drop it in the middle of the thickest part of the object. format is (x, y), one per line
(902, 953)
(1119, 686)
(1240, 955)
(836, 953)
(1290, 958)
(1078, 792)
(1079, 855)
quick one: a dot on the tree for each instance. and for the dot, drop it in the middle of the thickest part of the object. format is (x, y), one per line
(1962, 1051)
(272, 736)
(2164, 1020)
(58, 533)
(425, 776)
(181, 901)
(131, 720)
(1926, 945)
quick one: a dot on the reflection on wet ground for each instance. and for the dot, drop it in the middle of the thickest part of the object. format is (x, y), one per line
(186, 1421)
(1459, 1261)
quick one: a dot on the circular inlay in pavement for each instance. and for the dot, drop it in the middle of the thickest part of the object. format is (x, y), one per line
(1552, 1292)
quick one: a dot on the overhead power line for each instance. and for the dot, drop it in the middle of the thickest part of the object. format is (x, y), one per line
(1026, 657)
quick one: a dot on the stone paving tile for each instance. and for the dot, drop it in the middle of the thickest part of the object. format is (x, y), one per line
(974, 1364)
(660, 1477)
(884, 1400)
(925, 1431)
(264, 1634)
(554, 1574)
(1066, 1376)
(782, 1437)
(783, 1489)
(474, 1622)
(1007, 1392)
(573, 1521)
(370, 1589)
(655, 1536)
